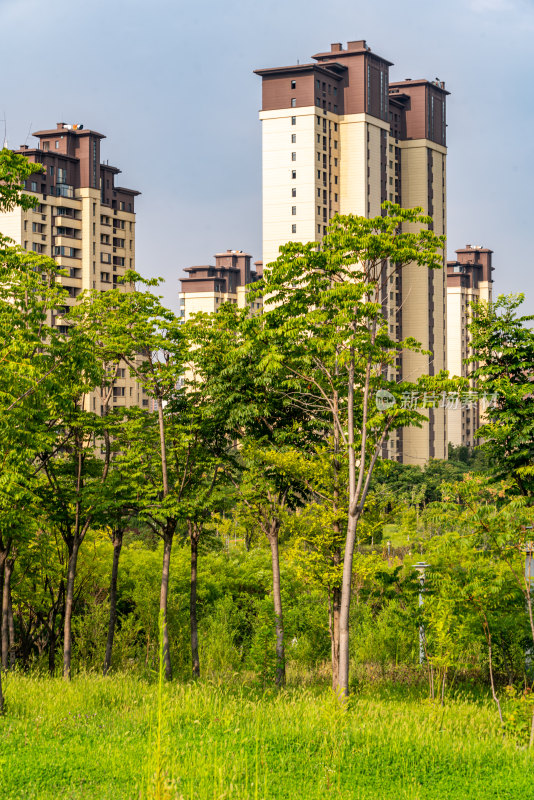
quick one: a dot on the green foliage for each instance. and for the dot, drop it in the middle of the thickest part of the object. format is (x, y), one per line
(503, 364)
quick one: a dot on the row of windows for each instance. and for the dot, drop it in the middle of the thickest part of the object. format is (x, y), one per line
(320, 229)
(318, 104)
(318, 85)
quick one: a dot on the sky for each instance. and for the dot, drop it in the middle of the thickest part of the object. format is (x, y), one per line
(171, 85)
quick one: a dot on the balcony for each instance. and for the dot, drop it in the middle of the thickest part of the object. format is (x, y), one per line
(66, 221)
(68, 234)
(64, 190)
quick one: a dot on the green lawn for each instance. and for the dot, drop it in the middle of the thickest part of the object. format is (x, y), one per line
(97, 738)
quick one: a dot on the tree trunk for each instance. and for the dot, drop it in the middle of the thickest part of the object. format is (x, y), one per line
(280, 677)
(194, 535)
(163, 601)
(117, 546)
(335, 599)
(69, 607)
(343, 683)
(6, 596)
(11, 625)
(52, 639)
(334, 635)
(53, 635)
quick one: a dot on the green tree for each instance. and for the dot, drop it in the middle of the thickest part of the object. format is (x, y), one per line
(261, 428)
(503, 367)
(32, 354)
(330, 349)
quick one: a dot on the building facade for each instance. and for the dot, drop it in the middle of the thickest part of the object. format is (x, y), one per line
(468, 280)
(83, 220)
(207, 287)
(337, 136)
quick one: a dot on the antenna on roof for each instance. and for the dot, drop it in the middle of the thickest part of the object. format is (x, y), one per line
(29, 131)
(5, 130)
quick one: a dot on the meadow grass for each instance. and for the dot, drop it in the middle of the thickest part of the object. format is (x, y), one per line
(98, 738)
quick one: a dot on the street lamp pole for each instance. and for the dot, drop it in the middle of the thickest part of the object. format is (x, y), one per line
(421, 567)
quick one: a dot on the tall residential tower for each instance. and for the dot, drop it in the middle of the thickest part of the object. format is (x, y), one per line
(82, 220)
(468, 280)
(339, 137)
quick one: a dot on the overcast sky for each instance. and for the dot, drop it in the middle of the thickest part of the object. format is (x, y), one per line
(171, 86)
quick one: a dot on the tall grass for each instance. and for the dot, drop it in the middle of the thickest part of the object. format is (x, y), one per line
(95, 737)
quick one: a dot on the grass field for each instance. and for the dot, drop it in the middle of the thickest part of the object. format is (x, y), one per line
(98, 738)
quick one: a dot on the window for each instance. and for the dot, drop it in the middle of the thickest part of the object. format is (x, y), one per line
(335, 144)
(335, 109)
(293, 120)
(294, 210)
(293, 84)
(293, 138)
(293, 156)
(293, 102)
(318, 229)
(335, 126)
(293, 192)
(318, 156)
(293, 229)
(318, 192)
(293, 173)
(61, 175)
(319, 210)
(335, 91)
(57, 145)
(335, 179)
(335, 162)
(318, 83)
(335, 198)
(318, 174)
(46, 146)
(33, 186)
(318, 138)
(51, 171)
(318, 120)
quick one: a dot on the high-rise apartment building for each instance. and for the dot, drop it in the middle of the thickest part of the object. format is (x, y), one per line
(337, 136)
(468, 281)
(207, 287)
(82, 220)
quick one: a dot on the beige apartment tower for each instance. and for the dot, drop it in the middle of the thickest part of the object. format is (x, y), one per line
(82, 220)
(207, 287)
(468, 281)
(337, 136)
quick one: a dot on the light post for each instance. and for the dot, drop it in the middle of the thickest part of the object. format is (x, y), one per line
(421, 567)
